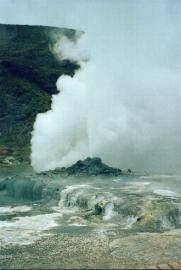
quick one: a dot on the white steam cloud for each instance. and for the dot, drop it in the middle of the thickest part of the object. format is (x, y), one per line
(124, 105)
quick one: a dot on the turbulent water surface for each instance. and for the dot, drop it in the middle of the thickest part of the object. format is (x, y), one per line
(48, 220)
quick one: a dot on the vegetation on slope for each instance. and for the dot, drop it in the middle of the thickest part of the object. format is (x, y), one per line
(28, 74)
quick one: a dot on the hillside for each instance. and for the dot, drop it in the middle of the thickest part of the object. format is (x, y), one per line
(28, 74)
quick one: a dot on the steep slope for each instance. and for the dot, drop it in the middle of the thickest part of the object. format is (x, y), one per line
(28, 74)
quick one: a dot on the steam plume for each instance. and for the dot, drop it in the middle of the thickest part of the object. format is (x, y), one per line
(123, 105)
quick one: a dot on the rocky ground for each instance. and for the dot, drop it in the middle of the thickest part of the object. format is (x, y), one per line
(95, 250)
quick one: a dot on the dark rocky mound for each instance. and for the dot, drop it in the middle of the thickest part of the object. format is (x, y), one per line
(89, 167)
(28, 74)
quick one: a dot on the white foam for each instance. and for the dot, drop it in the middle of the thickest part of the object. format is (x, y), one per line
(109, 211)
(161, 176)
(141, 183)
(25, 230)
(166, 193)
(77, 225)
(67, 193)
(146, 177)
(136, 186)
(65, 210)
(130, 221)
(16, 209)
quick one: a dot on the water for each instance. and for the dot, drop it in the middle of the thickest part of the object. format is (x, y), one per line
(34, 207)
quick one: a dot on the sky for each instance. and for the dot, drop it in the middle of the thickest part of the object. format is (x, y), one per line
(133, 84)
(70, 12)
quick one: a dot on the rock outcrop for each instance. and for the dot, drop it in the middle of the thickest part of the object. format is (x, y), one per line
(89, 167)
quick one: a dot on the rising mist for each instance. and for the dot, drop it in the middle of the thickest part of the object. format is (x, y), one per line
(124, 104)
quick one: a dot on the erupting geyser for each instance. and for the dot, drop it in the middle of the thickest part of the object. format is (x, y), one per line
(122, 105)
(62, 135)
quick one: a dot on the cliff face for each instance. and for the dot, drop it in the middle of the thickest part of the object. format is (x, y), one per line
(28, 74)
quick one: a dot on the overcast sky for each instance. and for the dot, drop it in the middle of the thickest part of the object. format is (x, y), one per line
(71, 12)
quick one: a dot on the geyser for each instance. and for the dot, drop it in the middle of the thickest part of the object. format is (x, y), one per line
(123, 105)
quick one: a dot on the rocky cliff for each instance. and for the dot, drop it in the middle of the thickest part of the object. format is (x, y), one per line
(28, 74)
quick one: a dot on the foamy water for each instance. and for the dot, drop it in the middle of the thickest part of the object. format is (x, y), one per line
(25, 230)
(128, 203)
(15, 209)
(167, 193)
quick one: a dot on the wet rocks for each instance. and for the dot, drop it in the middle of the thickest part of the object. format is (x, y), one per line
(100, 207)
(90, 167)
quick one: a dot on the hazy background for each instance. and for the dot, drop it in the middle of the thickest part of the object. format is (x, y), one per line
(129, 112)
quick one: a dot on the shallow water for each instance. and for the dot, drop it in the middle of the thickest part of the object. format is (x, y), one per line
(38, 207)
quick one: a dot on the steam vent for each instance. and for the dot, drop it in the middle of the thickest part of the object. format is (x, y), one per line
(28, 74)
